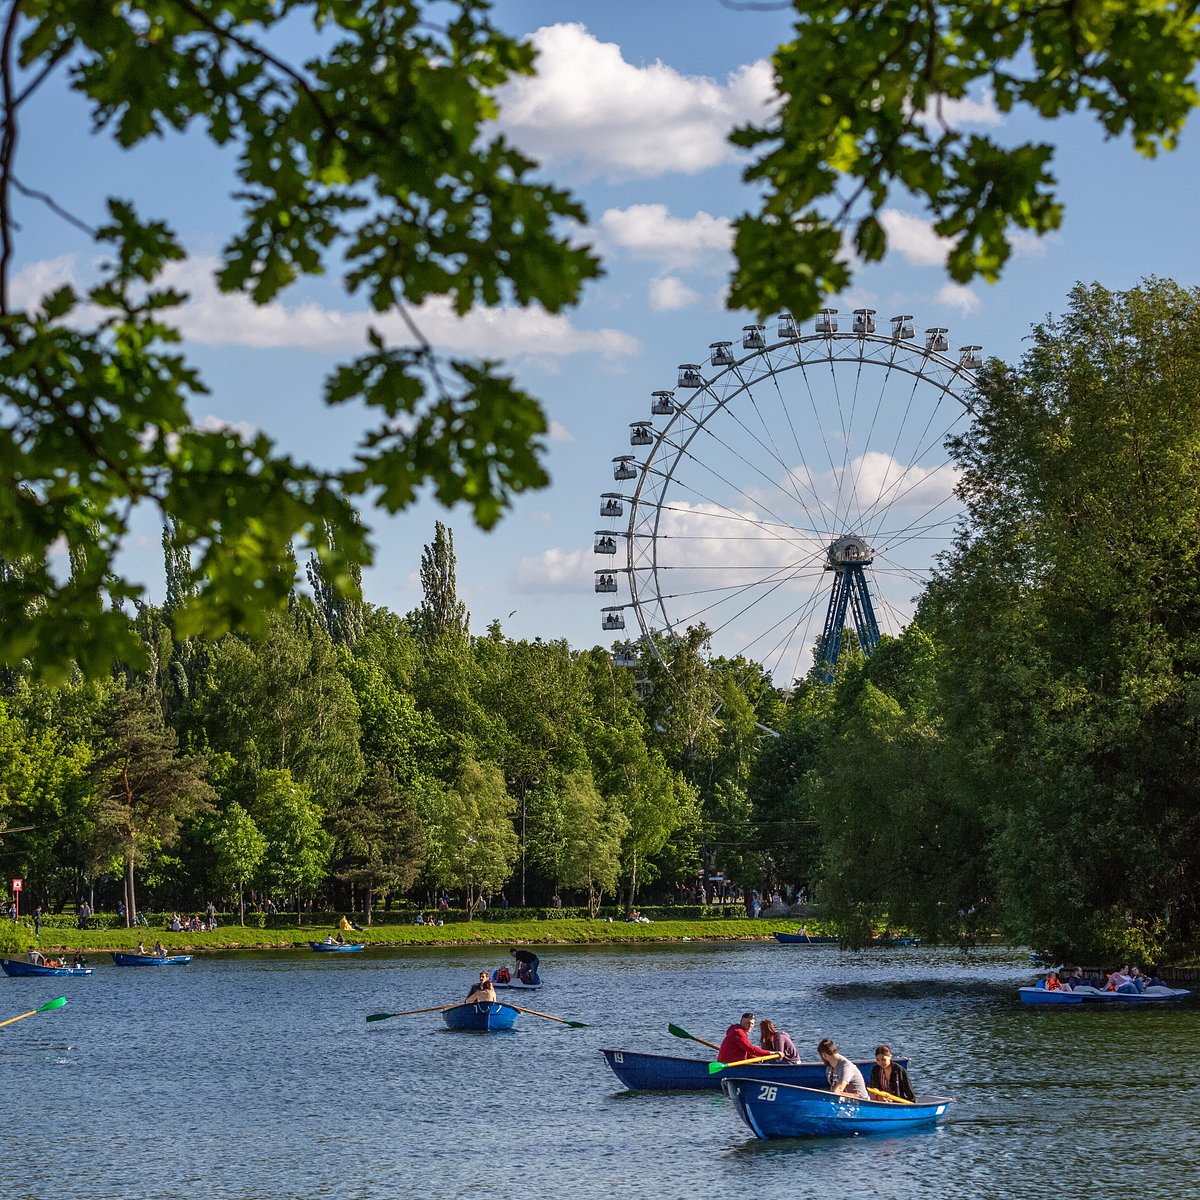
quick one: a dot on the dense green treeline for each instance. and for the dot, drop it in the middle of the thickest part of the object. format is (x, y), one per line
(1026, 756)
(353, 755)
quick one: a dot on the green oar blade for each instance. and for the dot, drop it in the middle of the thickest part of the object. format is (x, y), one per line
(714, 1067)
(53, 1004)
(680, 1033)
(380, 1016)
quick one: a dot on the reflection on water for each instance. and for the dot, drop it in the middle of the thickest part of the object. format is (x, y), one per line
(256, 1076)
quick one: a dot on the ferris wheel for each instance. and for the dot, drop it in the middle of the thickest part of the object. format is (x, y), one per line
(787, 492)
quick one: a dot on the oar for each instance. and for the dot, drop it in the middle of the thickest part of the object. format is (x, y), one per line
(533, 1012)
(409, 1013)
(713, 1068)
(888, 1096)
(690, 1037)
(45, 1008)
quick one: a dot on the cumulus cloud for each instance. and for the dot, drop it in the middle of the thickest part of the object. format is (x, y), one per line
(588, 106)
(650, 232)
(558, 432)
(959, 297)
(967, 111)
(214, 319)
(553, 570)
(245, 430)
(913, 238)
(668, 294)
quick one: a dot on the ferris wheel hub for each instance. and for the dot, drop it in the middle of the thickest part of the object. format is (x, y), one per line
(848, 550)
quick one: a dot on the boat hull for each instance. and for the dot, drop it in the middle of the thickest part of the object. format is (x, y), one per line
(802, 939)
(13, 966)
(774, 1109)
(483, 1018)
(1090, 995)
(1036, 995)
(666, 1073)
(150, 960)
(343, 948)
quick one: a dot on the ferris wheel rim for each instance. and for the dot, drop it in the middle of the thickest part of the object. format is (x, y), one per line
(926, 365)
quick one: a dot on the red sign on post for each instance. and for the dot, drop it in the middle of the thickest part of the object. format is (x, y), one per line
(18, 884)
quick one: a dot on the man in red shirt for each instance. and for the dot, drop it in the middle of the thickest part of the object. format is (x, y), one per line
(737, 1044)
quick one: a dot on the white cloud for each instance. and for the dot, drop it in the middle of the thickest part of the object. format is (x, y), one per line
(589, 106)
(959, 296)
(245, 431)
(215, 319)
(956, 114)
(558, 432)
(553, 570)
(913, 238)
(668, 294)
(648, 231)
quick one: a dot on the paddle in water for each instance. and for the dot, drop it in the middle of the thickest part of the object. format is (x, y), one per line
(409, 1012)
(534, 1013)
(713, 1068)
(47, 1007)
(690, 1037)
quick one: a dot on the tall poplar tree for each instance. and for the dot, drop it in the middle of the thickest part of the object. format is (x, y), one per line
(442, 616)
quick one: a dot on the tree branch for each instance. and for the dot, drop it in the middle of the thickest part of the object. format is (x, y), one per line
(8, 146)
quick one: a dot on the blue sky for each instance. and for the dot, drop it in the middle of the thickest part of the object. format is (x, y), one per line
(630, 111)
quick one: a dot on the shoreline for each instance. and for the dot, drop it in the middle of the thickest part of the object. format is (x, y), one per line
(460, 933)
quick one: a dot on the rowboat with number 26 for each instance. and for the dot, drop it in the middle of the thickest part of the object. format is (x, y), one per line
(779, 1110)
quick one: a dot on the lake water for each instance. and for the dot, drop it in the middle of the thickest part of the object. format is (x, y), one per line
(255, 1076)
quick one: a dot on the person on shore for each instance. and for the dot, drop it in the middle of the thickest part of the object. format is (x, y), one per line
(889, 1077)
(736, 1045)
(527, 965)
(775, 1041)
(483, 992)
(845, 1079)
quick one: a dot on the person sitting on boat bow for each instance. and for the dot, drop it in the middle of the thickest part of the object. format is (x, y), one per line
(483, 992)
(890, 1077)
(844, 1077)
(736, 1046)
(775, 1041)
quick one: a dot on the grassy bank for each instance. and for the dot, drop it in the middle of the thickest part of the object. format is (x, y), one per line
(460, 933)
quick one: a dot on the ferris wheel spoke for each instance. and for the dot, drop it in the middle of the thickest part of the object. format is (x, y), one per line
(799, 617)
(780, 523)
(923, 471)
(851, 500)
(723, 406)
(812, 489)
(732, 592)
(920, 529)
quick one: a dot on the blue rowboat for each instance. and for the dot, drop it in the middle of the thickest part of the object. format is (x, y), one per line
(802, 939)
(481, 1017)
(150, 960)
(1037, 995)
(1091, 995)
(337, 947)
(14, 966)
(776, 1110)
(664, 1073)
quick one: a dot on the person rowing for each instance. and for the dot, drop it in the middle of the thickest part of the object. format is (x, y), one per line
(483, 992)
(845, 1079)
(736, 1046)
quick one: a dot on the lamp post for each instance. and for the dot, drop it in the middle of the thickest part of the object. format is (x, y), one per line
(524, 782)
